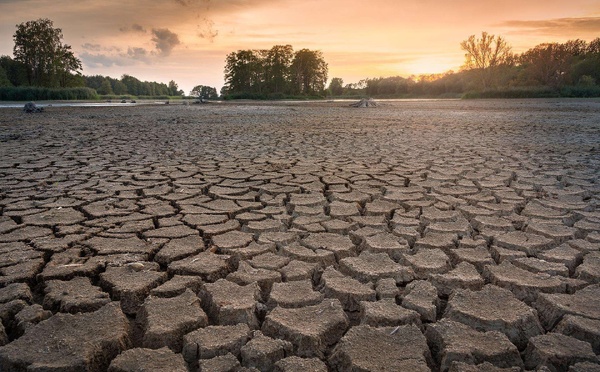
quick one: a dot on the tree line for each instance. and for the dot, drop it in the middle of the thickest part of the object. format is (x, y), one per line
(129, 85)
(45, 68)
(274, 73)
(491, 69)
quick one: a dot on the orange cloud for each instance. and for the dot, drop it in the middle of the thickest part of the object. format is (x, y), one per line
(558, 26)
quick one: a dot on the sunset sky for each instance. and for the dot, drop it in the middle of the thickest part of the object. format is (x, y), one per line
(188, 40)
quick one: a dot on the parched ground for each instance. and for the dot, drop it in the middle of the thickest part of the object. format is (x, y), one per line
(415, 236)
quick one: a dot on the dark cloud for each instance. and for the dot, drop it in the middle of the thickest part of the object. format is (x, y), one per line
(104, 60)
(164, 40)
(96, 55)
(139, 54)
(113, 57)
(92, 47)
(99, 48)
(558, 26)
(133, 28)
(138, 28)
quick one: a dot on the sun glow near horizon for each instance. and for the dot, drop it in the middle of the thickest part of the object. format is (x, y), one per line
(188, 40)
(432, 65)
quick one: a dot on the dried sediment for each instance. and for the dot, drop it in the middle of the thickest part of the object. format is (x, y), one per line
(452, 235)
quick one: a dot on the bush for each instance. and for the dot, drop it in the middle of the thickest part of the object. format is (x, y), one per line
(245, 95)
(524, 92)
(587, 81)
(276, 96)
(159, 97)
(115, 96)
(270, 96)
(580, 91)
(46, 94)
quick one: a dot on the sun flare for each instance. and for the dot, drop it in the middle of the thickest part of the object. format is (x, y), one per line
(430, 65)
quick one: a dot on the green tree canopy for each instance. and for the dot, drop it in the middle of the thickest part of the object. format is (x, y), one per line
(15, 71)
(242, 71)
(4, 81)
(48, 62)
(278, 61)
(336, 86)
(548, 64)
(309, 72)
(118, 87)
(275, 71)
(105, 87)
(203, 91)
(174, 89)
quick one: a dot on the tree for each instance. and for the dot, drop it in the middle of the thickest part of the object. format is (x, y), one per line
(548, 64)
(336, 87)
(590, 66)
(48, 62)
(309, 72)
(105, 87)
(174, 89)
(576, 47)
(94, 82)
(486, 54)
(241, 71)
(4, 81)
(118, 87)
(594, 46)
(203, 91)
(66, 62)
(278, 61)
(389, 86)
(15, 71)
(263, 72)
(134, 86)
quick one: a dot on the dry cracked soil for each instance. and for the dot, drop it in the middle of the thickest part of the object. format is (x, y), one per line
(415, 236)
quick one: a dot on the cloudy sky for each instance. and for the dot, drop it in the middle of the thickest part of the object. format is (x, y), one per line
(188, 40)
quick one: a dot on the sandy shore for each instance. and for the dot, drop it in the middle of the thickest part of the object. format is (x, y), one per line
(418, 235)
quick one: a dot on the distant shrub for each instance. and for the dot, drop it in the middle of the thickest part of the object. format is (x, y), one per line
(587, 81)
(46, 94)
(278, 95)
(115, 96)
(580, 91)
(520, 92)
(574, 91)
(245, 95)
(270, 96)
(159, 97)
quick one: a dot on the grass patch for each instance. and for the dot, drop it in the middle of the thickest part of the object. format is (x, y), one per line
(46, 94)
(580, 91)
(130, 97)
(524, 92)
(537, 92)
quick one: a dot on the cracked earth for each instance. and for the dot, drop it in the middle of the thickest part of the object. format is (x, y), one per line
(416, 236)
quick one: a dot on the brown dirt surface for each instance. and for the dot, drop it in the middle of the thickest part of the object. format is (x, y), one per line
(442, 235)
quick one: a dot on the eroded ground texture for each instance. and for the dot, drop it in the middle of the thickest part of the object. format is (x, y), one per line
(415, 236)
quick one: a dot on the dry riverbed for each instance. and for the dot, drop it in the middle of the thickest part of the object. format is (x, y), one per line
(415, 236)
